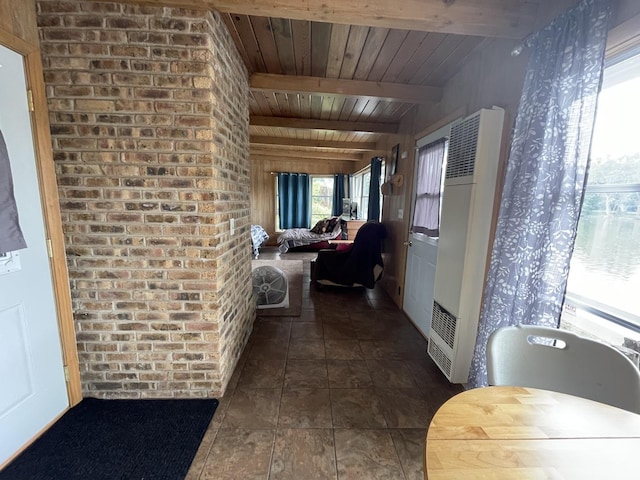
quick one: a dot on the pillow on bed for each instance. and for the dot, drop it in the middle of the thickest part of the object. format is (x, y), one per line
(319, 227)
(326, 225)
(331, 225)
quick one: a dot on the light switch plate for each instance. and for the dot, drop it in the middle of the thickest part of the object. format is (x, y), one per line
(232, 226)
(400, 214)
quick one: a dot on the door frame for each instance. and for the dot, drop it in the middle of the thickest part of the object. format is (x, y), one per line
(50, 209)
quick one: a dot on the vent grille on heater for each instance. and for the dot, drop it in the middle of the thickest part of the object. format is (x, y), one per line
(462, 147)
(440, 357)
(444, 324)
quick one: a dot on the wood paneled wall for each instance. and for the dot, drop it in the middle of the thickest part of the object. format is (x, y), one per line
(263, 193)
(491, 77)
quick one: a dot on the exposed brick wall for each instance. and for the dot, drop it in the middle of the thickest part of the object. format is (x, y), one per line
(149, 119)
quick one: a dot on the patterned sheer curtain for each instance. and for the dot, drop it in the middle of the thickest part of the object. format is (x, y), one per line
(426, 217)
(545, 176)
(293, 199)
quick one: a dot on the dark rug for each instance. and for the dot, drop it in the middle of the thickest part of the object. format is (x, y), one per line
(117, 439)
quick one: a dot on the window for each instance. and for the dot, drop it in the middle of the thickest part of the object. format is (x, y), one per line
(429, 188)
(360, 192)
(321, 197)
(360, 183)
(602, 291)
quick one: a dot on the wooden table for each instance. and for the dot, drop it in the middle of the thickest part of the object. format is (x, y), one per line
(525, 433)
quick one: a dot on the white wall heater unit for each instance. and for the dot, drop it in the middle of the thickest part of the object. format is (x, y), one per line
(467, 209)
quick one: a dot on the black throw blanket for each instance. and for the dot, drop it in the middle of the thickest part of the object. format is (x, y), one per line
(355, 265)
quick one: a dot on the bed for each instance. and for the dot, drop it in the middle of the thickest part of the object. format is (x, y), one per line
(311, 238)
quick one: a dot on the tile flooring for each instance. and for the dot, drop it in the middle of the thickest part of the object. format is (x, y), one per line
(344, 391)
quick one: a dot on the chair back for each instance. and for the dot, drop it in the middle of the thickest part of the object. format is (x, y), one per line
(558, 360)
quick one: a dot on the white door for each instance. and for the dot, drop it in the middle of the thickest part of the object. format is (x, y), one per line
(422, 253)
(419, 280)
(32, 383)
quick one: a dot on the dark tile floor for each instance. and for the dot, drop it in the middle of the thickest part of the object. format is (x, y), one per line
(344, 391)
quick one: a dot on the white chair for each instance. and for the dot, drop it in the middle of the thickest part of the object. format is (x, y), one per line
(558, 360)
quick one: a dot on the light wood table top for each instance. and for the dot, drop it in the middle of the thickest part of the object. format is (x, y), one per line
(526, 433)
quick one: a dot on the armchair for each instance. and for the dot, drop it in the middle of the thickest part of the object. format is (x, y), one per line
(358, 266)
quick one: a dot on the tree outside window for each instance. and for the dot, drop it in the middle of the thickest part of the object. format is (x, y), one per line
(321, 198)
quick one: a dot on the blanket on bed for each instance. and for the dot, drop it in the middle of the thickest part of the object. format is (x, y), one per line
(300, 237)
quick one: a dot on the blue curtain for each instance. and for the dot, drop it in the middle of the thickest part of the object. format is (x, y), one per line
(374, 189)
(294, 206)
(545, 176)
(338, 194)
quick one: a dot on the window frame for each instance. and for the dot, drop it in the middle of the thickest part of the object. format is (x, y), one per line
(311, 196)
(573, 301)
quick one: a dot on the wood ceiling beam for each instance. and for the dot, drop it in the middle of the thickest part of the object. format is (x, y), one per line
(325, 125)
(285, 142)
(390, 92)
(284, 152)
(487, 18)
(275, 158)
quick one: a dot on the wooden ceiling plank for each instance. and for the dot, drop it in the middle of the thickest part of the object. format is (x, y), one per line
(409, 47)
(347, 108)
(284, 42)
(421, 57)
(301, 31)
(320, 37)
(403, 109)
(338, 105)
(333, 125)
(355, 45)
(273, 103)
(489, 18)
(266, 42)
(454, 61)
(389, 50)
(248, 38)
(327, 106)
(283, 104)
(367, 111)
(372, 46)
(316, 105)
(261, 102)
(294, 104)
(306, 134)
(332, 86)
(231, 26)
(380, 109)
(392, 110)
(305, 105)
(445, 49)
(337, 46)
(360, 104)
(295, 143)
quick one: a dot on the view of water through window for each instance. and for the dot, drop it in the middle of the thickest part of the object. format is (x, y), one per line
(605, 267)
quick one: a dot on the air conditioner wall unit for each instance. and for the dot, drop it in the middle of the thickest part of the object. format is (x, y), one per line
(465, 229)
